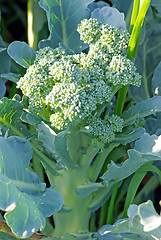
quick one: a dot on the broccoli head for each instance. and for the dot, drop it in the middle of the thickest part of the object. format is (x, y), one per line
(64, 88)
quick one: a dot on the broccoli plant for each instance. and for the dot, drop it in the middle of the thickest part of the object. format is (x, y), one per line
(73, 119)
(75, 92)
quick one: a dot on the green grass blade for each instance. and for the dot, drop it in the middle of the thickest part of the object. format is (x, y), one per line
(133, 187)
(135, 12)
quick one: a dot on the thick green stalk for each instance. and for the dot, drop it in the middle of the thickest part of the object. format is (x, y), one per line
(77, 215)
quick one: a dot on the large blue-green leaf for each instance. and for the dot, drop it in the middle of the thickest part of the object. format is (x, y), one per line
(21, 53)
(6, 234)
(143, 223)
(109, 15)
(63, 18)
(55, 144)
(147, 149)
(26, 201)
(11, 118)
(141, 110)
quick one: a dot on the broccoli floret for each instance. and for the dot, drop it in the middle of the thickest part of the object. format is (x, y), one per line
(89, 30)
(64, 88)
(103, 131)
(122, 71)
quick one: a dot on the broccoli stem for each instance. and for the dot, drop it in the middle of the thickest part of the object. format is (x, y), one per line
(76, 219)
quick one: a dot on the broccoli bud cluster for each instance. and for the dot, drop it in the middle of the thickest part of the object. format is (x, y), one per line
(64, 88)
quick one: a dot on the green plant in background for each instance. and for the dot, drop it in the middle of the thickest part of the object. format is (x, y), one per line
(71, 123)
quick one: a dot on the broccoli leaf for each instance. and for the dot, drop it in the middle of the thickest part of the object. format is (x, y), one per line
(5, 61)
(92, 6)
(109, 15)
(10, 76)
(125, 7)
(100, 197)
(148, 217)
(156, 5)
(21, 192)
(143, 224)
(5, 236)
(153, 124)
(21, 53)
(86, 189)
(147, 149)
(125, 138)
(5, 233)
(142, 109)
(55, 144)
(63, 18)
